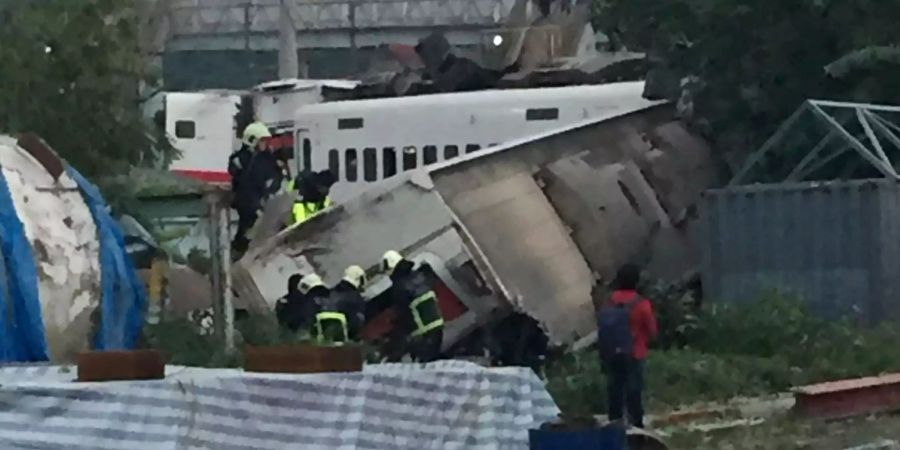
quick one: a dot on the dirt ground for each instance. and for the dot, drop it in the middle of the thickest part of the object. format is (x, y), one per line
(785, 433)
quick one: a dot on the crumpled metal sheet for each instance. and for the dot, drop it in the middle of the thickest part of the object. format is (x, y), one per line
(64, 244)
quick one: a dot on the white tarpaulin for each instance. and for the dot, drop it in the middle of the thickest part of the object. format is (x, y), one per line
(445, 405)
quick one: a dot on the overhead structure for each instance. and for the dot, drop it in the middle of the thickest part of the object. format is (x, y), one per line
(827, 140)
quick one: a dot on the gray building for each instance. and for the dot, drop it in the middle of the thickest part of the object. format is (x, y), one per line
(233, 44)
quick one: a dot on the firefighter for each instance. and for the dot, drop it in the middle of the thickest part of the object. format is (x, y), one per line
(419, 327)
(349, 300)
(295, 310)
(313, 194)
(254, 171)
(329, 323)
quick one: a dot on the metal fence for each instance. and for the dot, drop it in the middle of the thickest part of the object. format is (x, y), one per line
(834, 244)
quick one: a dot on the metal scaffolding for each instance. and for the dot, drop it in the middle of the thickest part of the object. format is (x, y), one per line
(826, 140)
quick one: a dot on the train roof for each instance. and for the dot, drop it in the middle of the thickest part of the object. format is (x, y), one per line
(625, 90)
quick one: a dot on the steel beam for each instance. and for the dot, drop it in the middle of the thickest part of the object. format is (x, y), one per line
(769, 144)
(847, 398)
(864, 122)
(882, 167)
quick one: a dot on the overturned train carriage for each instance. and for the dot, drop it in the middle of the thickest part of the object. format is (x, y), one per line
(526, 227)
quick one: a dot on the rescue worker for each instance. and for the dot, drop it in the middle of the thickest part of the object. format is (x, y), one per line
(329, 323)
(419, 323)
(347, 294)
(312, 190)
(295, 311)
(256, 175)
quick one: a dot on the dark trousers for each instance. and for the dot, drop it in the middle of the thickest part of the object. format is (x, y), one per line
(246, 219)
(426, 348)
(624, 387)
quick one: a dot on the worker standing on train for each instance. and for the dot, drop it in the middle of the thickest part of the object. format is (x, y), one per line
(255, 175)
(313, 191)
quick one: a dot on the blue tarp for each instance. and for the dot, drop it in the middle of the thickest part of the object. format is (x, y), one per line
(122, 295)
(21, 326)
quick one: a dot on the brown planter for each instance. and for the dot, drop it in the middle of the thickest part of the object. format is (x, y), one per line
(121, 365)
(303, 359)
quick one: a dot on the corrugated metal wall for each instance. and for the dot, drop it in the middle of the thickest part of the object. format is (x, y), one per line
(835, 244)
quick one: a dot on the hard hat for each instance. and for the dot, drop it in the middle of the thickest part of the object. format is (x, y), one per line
(254, 132)
(356, 276)
(310, 281)
(390, 260)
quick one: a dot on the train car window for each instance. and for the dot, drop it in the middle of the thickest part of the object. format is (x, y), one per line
(450, 152)
(353, 123)
(350, 166)
(542, 114)
(389, 161)
(410, 158)
(307, 155)
(429, 154)
(334, 162)
(472, 148)
(370, 164)
(185, 129)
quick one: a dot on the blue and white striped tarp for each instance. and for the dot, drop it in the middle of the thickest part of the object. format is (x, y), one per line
(448, 405)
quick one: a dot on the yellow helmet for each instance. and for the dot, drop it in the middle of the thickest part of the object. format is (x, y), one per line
(310, 281)
(356, 276)
(390, 260)
(254, 132)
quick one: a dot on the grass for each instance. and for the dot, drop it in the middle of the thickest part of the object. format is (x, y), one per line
(788, 434)
(736, 350)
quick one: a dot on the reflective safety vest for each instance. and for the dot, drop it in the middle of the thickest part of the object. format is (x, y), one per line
(303, 211)
(426, 314)
(331, 328)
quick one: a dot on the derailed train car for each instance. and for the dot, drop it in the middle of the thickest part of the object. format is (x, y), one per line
(528, 227)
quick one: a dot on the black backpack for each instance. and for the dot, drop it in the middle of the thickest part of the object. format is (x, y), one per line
(614, 329)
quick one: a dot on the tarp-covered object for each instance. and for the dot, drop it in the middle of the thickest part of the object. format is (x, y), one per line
(122, 298)
(62, 256)
(444, 405)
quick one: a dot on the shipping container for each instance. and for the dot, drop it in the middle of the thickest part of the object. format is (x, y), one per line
(833, 244)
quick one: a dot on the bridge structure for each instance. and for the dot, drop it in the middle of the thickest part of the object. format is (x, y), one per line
(234, 43)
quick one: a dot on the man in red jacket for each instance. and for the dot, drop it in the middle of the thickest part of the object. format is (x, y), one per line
(625, 373)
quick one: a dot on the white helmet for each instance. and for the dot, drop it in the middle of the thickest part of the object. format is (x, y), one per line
(254, 132)
(310, 281)
(356, 276)
(390, 260)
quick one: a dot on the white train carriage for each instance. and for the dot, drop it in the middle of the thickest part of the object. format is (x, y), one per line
(365, 141)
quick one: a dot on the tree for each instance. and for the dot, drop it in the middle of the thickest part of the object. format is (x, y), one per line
(70, 72)
(756, 61)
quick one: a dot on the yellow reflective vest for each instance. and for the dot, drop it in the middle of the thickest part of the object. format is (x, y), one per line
(303, 211)
(331, 328)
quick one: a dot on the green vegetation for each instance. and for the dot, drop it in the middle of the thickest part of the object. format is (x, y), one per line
(71, 73)
(185, 342)
(754, 62)
(736, 350)
(790, 434)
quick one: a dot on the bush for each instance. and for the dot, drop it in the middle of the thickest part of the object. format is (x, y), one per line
(184, 343)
